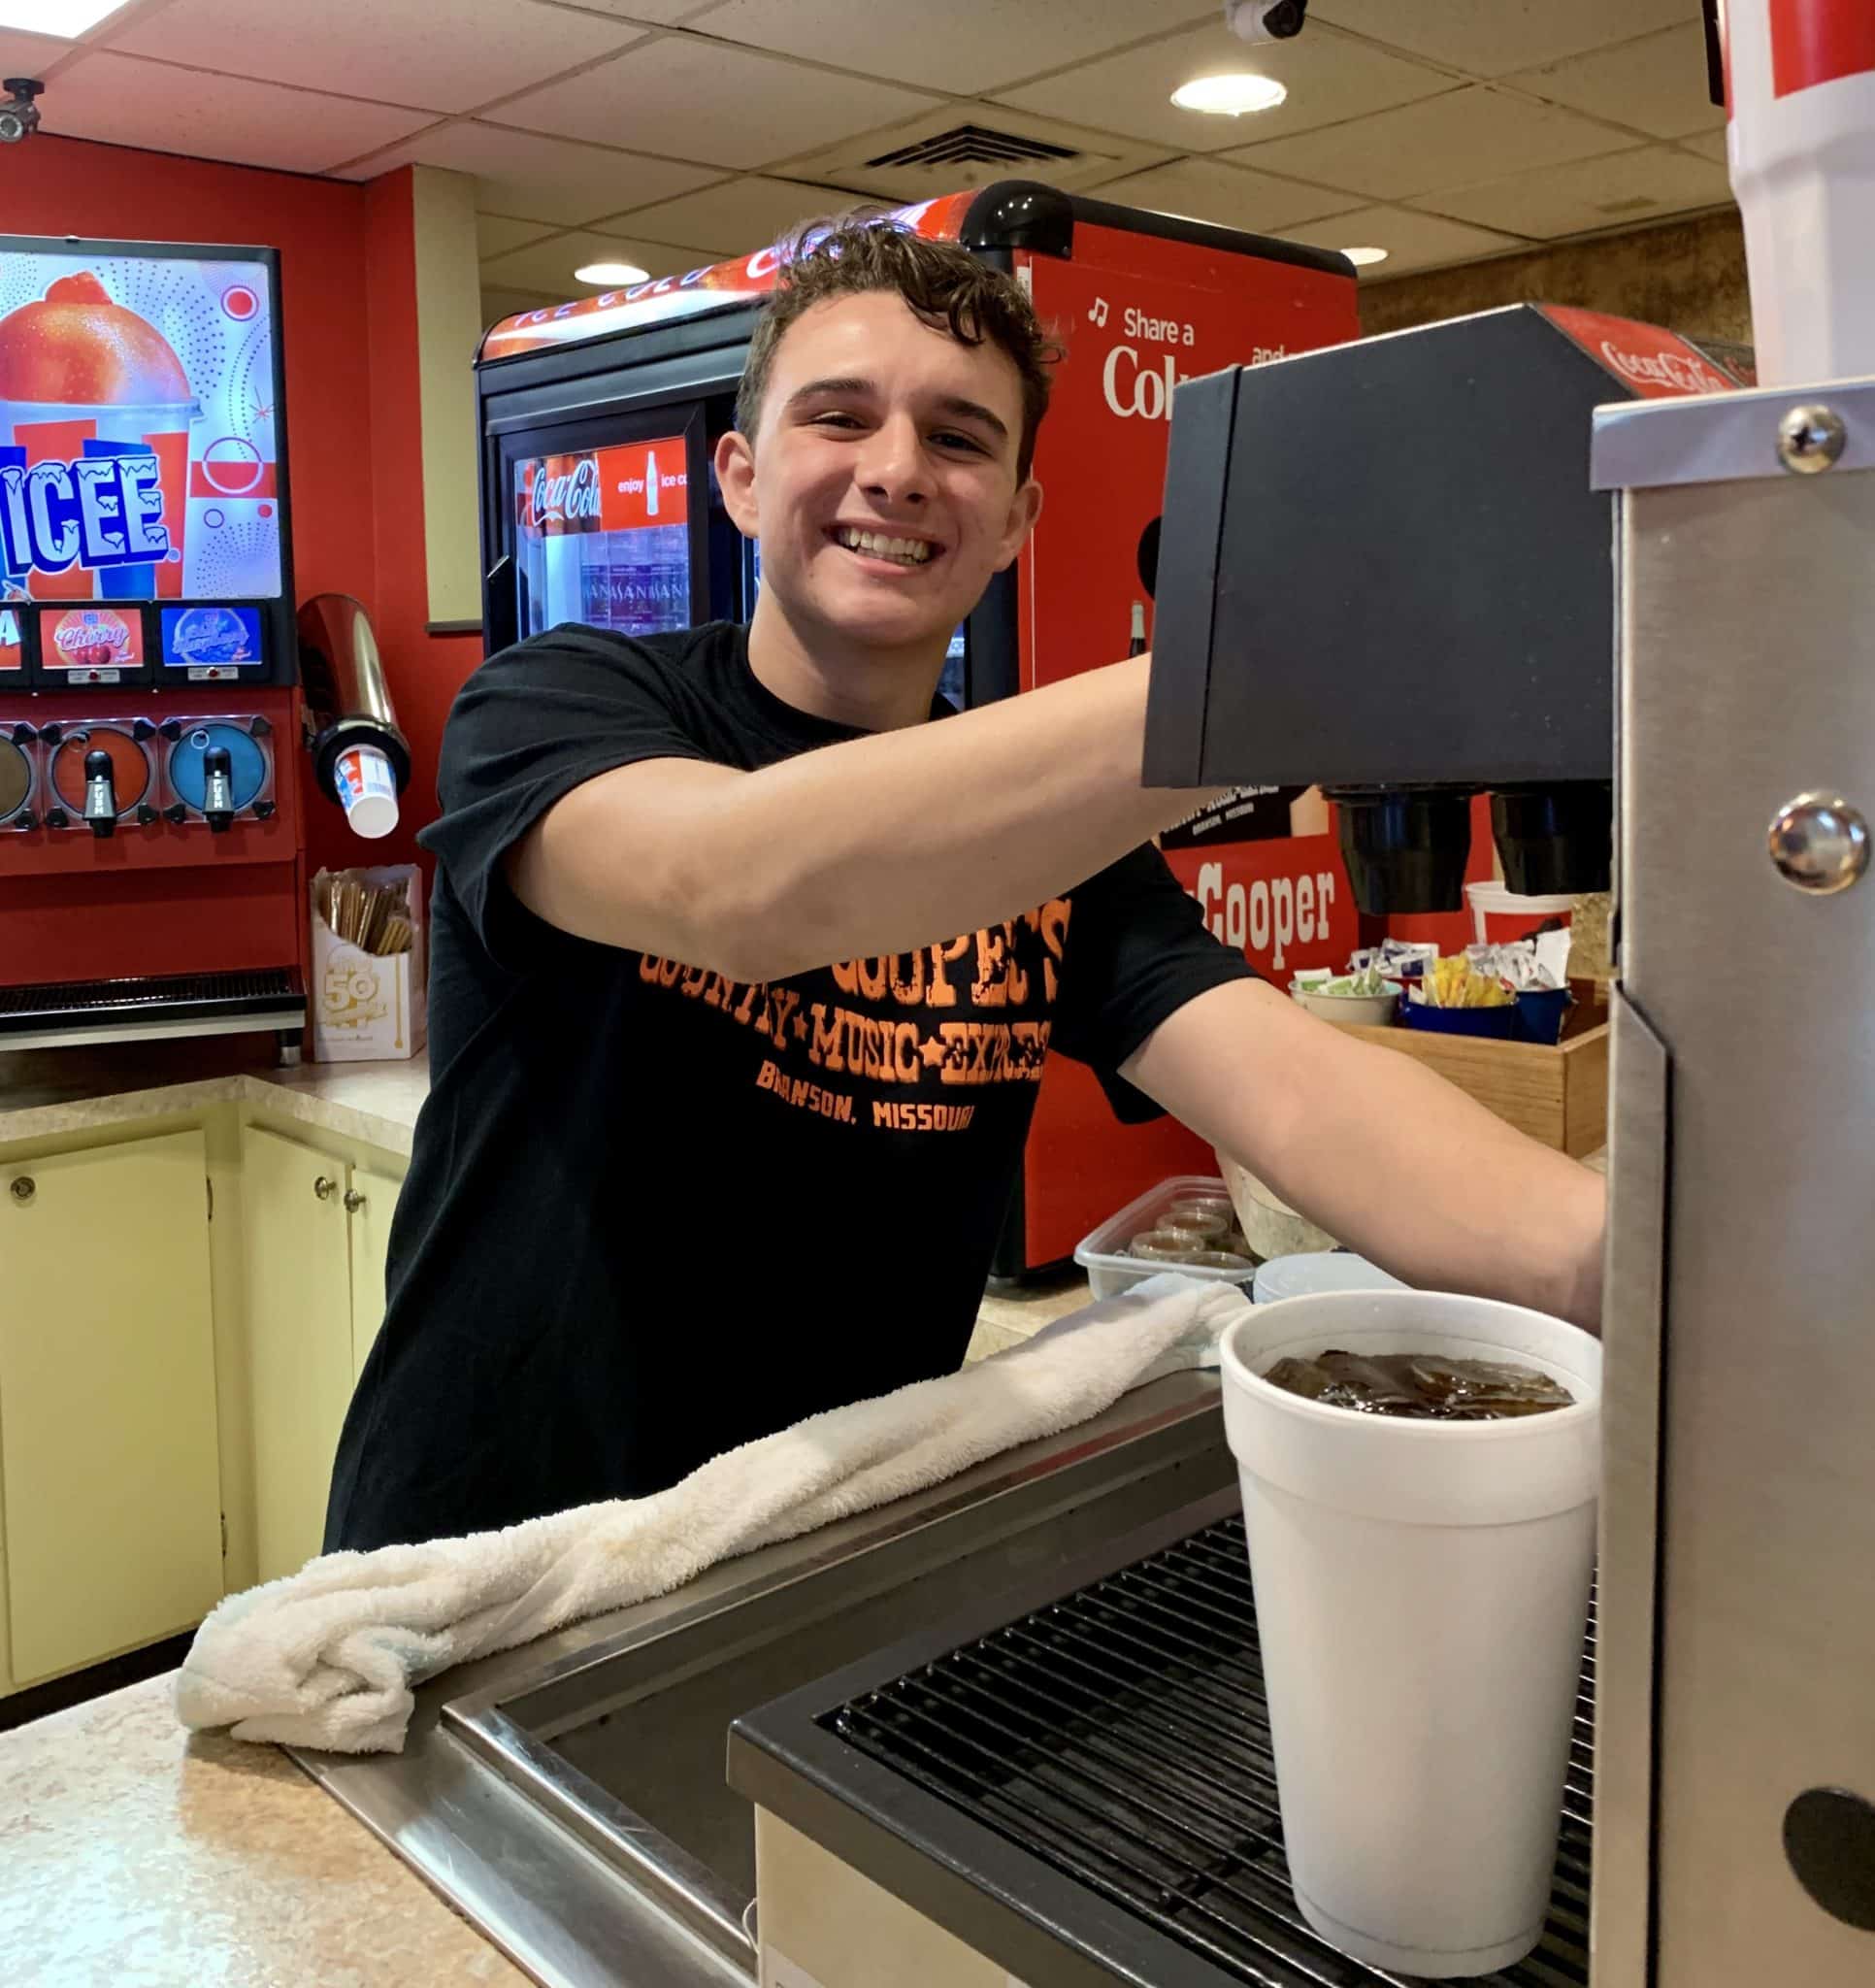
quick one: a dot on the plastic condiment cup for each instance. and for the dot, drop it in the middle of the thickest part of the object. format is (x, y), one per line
(1421, 1597)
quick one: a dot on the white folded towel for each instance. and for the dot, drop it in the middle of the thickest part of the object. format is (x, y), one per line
(328, 1657)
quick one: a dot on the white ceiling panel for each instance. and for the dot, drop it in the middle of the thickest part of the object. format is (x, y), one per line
(1709, 144)
(498, 302)
(1330, 77)
(497, 233)
(1455, 139)
(970, 47)
(1412, 241)
(1232, 196)
(530, 177)
(1622, 191)
(122, 100)
(30, 54)
(659, 13)
(708, 101)
(738, 215)
(1493, 37)
(549, 265)
(440, 58)
(1657, 83)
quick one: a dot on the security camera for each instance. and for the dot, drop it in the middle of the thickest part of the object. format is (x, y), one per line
(1264, 20)
(20, 118)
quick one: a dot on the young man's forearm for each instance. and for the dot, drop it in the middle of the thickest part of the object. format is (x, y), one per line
(1381, 1152)
(875, 845)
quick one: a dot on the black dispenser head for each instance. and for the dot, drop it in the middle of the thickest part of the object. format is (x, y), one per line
(1406, 847)
(1554, 841)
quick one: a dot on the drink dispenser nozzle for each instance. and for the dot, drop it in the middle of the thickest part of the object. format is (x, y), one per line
(218, 788)
(100, 794)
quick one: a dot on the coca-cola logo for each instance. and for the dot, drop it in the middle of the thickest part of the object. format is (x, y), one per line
(1678, 372)
(566, 496)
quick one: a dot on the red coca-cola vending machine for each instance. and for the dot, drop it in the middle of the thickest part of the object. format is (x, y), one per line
(599, 418)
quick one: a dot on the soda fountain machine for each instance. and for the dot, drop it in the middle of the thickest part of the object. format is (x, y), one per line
(599, 419)
(1597, 594)
(152, 846)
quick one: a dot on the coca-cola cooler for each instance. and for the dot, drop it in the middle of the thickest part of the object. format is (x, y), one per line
(599, 505)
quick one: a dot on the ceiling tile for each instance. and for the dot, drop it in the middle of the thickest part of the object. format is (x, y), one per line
(1455, 140)
(1232, 196)
(1092, 156)
(31, 54)
(1627, 189)
(1412, 241)
(1493, 37)
(531, 178)
(443, 57)
(661, 13)
(983, 44)
(549, 265)
(125, 101)
(1709, 144)
(1657, 83)
(738, 215)
(498, 301)
(703, 100)
(497, 233)
(1330, 77)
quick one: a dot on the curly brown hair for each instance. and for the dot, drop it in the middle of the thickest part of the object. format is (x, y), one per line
(862, 250)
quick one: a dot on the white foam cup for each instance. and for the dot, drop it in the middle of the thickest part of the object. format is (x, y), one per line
(367, 788)
(1422, 1595)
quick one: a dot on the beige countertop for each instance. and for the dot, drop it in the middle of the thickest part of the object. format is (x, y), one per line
(135, 1855)
(44, 1093)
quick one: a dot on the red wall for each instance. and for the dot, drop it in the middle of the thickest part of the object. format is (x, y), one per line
(348, 319)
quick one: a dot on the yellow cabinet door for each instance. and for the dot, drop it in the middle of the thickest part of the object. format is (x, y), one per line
(107, 1464)
(297, 1301)
(372, 1201)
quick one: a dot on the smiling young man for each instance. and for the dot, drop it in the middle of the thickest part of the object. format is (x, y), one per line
(744, 970)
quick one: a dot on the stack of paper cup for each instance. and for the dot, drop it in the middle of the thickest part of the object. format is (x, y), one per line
(1422, 1595)
(368, 789)
(1800, 78)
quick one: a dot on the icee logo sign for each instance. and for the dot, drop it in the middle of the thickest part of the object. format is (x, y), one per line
(567, 497)
(95, 510)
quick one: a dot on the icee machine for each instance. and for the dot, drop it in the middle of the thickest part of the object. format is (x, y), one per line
(1524, 593)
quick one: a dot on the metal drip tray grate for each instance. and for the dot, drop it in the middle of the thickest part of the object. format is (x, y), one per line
(1121, 1734)
(267, 997)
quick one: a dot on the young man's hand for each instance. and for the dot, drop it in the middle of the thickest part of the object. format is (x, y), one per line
(1381, 1152)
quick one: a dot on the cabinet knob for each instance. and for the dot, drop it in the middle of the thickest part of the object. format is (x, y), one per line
(354, 1201)
(324, 1188)
(23, 1188)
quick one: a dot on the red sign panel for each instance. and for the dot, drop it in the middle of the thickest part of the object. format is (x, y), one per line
(97, 638)
(1818, 41)
(13, 640)
(1649, 362)
(734, 281)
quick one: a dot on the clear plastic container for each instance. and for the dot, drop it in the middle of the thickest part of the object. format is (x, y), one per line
(1104, 1253)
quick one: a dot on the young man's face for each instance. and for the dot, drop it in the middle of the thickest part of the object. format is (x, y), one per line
(881, 480)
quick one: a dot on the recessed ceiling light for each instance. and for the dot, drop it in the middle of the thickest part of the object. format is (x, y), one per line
(55, 17)
(1229, 96)
(610, 274)
(1360, 257)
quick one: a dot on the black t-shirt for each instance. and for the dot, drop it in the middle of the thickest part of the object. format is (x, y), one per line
(652, 1213)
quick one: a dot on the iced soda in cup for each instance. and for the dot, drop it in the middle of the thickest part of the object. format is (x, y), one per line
(367, 791)
(83, 377)
(1422, 1590)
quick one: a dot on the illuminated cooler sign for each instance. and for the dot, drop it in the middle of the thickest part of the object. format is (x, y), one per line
(96, 511)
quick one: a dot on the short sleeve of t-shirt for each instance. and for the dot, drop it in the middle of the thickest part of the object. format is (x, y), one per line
(531, 724)
(1138, 950)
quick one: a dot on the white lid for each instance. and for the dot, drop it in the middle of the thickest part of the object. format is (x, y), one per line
(371, 815)
(1324, 1269)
